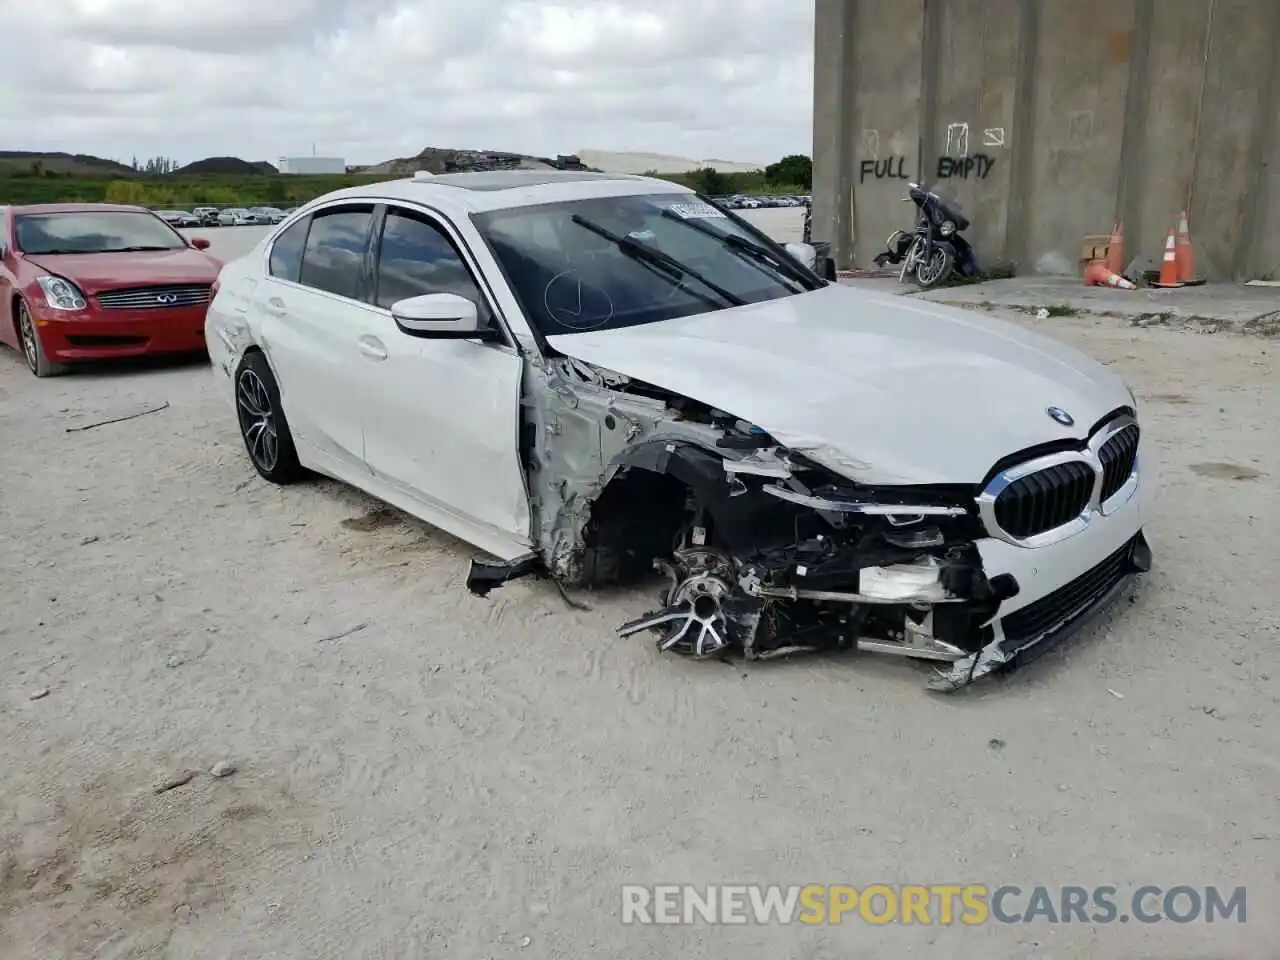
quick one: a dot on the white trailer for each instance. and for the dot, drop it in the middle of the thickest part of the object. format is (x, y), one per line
(312, 165)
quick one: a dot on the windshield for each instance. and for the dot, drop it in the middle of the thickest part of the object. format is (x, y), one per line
(104, 232)
(614, 262)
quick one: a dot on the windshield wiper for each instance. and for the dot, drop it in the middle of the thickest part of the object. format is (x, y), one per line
(137, 249)
(656, 258)
(758, 252)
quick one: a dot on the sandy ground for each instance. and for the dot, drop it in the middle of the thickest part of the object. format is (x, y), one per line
(426, 774)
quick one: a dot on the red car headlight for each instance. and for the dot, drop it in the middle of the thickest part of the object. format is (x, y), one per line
(61, 294)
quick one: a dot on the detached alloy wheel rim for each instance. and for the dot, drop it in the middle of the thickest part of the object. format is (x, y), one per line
(28, 332)
(257, 420)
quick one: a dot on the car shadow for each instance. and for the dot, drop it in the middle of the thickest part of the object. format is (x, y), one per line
(124, 366)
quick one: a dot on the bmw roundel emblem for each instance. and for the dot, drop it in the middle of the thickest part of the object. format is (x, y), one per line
(1061, 416)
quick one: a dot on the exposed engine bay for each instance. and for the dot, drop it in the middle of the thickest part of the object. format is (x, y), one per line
(779, 557)
(765, 551)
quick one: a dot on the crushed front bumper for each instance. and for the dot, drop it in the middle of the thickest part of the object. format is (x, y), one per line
(1037, 627)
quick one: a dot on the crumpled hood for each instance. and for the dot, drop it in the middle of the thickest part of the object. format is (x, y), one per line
(880, 388)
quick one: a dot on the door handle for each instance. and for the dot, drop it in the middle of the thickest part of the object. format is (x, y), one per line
(372, 348)
(275, 307)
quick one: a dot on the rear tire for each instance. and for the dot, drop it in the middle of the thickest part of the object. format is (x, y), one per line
(263, 427)
(38, 361)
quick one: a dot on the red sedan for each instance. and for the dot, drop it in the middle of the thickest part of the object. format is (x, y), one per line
(97, 281)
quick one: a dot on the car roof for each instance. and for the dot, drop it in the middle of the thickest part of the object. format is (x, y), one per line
(480, 192)
(78, 208)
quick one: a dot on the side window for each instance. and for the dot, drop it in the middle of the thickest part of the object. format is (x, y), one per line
(286, 252)
(416, 258)
(333, 259)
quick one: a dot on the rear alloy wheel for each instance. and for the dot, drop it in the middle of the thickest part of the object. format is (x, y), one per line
(32, 348)
(262, 423)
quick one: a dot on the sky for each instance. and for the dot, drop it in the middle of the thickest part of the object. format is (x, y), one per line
(369, 80)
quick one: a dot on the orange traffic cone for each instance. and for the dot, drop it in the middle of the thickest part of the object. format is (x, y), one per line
(1115, 249)
(1185, 255)
(1169, 268)
(1098, 274)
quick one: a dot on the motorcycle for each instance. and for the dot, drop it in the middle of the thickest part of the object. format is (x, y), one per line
(934, 249)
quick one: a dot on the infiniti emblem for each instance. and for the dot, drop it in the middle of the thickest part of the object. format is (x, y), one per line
(171, 298)
(1060, 415)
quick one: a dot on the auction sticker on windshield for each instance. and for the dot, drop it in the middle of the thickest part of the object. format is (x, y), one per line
(695, 211)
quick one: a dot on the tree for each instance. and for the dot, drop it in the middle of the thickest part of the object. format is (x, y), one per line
(709, 182)
(794, 169)
(276, 191)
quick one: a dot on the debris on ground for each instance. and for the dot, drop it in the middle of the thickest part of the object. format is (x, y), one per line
(175, 781)
(223, 768)
(38, 694)
(345, 633)
(132, 416)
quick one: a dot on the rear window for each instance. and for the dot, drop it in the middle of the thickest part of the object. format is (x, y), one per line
(333, 259)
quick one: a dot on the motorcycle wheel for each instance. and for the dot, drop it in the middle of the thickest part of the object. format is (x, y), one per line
(936, 270)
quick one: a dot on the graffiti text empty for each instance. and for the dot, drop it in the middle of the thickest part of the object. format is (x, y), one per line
(976, 167)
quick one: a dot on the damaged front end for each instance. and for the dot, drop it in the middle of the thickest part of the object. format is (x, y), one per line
(782, 557)
(765, 550)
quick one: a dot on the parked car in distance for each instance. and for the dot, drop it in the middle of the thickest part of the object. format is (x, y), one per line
(208, 216)
(647, 378)
(267, 214)
(98, 281)
(236, 217)
(178, 218)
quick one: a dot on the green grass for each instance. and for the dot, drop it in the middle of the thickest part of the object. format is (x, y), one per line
(173, 191)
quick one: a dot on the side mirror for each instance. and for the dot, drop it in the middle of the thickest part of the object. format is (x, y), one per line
(440, 316)
(200, 243)
(803, 252)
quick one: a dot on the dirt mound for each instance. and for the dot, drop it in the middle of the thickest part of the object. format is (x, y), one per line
(224, 167)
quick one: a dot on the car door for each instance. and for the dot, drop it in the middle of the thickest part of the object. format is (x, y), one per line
(313, 313)
(442, 417)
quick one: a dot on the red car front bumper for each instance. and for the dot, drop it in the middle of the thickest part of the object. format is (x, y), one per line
(103, 334)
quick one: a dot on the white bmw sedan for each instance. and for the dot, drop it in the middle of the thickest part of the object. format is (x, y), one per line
(593, 375)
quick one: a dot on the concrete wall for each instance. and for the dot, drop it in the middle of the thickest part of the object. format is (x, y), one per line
(1048, 120)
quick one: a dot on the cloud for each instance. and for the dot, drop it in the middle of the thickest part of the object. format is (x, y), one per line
(373, 79)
